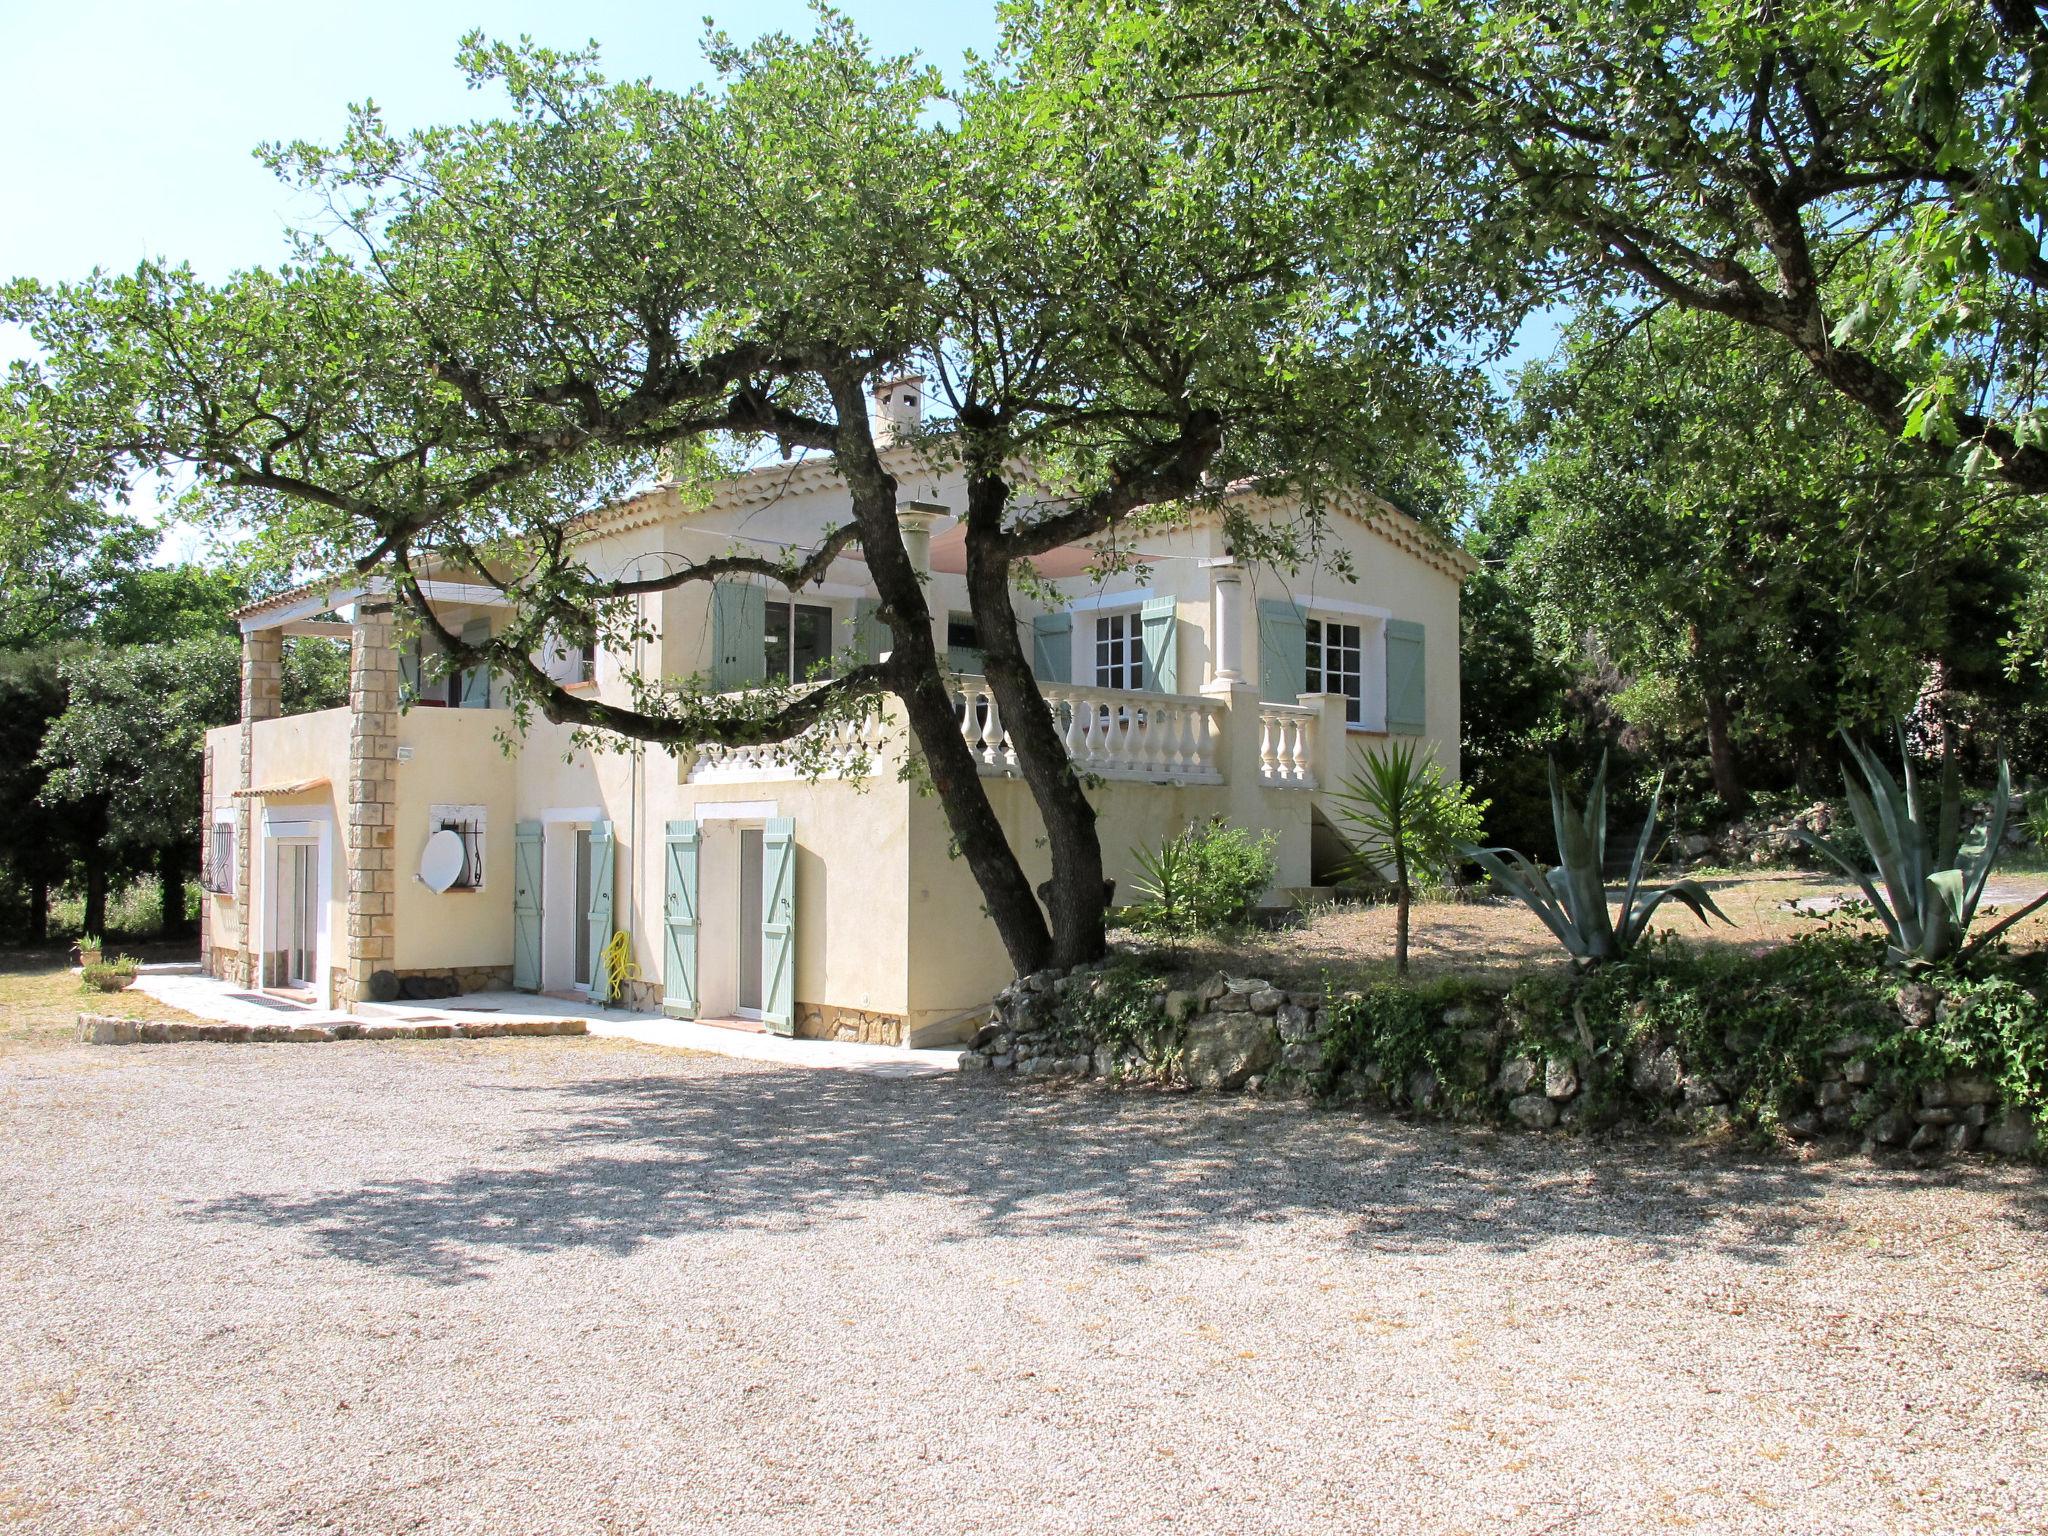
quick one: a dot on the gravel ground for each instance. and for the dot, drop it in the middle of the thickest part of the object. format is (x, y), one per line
(574, 1286)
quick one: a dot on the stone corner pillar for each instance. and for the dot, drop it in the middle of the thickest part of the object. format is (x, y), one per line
(372, 801)
(1239, 752)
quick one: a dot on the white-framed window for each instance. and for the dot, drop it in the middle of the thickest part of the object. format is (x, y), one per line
(1336, 663)
(796, 639)
(467, 823)
(1119, 651)
(218, 875)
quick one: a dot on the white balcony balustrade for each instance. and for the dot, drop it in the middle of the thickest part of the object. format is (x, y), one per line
(851, 749)
(1149, 738)
(1155, 738)
(1287, 746)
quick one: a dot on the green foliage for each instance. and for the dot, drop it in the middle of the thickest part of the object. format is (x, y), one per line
(1993, 1026)
(1202, 880)
(109, 975)
(1931, 887)
(1764, 1026)
(1857, 183)
(1395, 1029)
(1571, 900)
(1405, 816)
(1408, 824)
(1121, 1008)
(2036, 820)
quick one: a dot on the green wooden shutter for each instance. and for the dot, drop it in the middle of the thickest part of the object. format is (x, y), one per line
(476, 681)
(871, 637)
(1406, 710)
(1161, 627)
(778, 925)
(1052, 647)
(527, 864)
(600, 914)
(739, 657)
(679, 918)
(1283, 651)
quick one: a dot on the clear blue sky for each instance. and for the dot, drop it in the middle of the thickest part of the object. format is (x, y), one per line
(129, 123)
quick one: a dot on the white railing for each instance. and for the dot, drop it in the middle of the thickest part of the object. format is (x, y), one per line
(1165, 738)
(849, 749)
(1287, 746)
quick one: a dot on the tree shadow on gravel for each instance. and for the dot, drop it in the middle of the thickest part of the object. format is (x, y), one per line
(625, 1162)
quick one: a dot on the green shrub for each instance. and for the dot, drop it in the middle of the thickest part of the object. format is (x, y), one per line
(1396, 1026)
(1765, 1023)
(1203, 880)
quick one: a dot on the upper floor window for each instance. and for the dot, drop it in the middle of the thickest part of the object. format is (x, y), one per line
(796, 639)
(1336, 664)
(1119, 651)
(963, 644)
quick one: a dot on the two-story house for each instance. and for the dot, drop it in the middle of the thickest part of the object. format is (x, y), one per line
(832, 906)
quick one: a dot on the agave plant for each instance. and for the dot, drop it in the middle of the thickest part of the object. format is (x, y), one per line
(1571, 900)
(1931, 888)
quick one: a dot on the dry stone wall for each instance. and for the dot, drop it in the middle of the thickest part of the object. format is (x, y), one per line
(1231, 1034)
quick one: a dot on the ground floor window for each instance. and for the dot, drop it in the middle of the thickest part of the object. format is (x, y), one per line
(796, 640)
(467, 823)
(219, 874)
(1336, 664)
(1119, 651)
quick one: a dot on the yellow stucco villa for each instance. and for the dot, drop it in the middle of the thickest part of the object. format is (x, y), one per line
(828, 907)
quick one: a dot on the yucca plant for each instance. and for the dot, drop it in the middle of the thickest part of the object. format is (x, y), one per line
(1571, 900)
(1408, 822)
(1931, 888)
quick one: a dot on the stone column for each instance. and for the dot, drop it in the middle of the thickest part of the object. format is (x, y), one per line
(262, 699)
(1226, 623)
(916, 518)
(372, 800)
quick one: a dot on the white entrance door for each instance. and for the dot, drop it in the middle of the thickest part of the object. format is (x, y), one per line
(749, 978)
(298, 911)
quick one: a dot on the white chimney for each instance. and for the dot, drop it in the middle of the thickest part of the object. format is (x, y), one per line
(898, 407)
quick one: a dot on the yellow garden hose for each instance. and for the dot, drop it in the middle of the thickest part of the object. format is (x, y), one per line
(618, 965)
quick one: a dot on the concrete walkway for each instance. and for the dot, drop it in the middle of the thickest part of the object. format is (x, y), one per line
(186, 987)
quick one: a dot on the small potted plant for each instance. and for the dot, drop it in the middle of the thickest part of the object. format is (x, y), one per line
(90, 949)
(111, 976)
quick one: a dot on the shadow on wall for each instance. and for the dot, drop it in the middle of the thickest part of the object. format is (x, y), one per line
(635, 1161)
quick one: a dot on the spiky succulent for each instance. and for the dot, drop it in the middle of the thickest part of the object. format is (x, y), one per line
(1931, 887)
(1571, 900)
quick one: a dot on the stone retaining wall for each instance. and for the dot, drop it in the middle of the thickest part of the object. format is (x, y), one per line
(1245, 1034)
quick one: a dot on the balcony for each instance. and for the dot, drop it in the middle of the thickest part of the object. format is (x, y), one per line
(1111, 734)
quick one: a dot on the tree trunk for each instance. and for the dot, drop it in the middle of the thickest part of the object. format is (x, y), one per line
(170, 868)
(915, 679)
(95, 921)
(1401, 898)
(1721, 752)
(1077, 895)
(38, 912)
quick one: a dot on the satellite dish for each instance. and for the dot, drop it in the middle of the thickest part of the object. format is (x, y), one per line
(441, 860)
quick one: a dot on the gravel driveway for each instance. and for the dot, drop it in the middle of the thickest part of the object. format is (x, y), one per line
(582, 1287)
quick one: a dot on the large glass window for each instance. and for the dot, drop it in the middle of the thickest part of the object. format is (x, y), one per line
(1336, 664)
(797, 638)
(1119, 651)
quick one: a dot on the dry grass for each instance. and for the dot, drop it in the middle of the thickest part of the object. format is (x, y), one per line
(1501, 939)
(41, 999)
